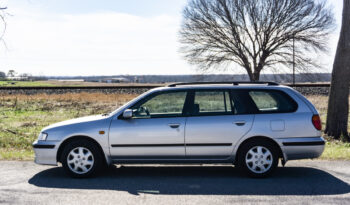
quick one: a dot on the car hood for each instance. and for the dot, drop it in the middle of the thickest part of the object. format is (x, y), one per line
(76, 121)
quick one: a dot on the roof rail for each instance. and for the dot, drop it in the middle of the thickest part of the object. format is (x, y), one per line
(213, 83)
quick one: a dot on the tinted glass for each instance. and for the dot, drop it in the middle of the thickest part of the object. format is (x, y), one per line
(272, 101)
(228, 103)
(239, 103)
(162, 105)
(211, 103)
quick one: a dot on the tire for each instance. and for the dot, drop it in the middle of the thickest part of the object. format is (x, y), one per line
(81, 159)
(258, 158)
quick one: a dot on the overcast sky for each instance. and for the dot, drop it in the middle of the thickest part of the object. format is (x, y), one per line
(100, 37)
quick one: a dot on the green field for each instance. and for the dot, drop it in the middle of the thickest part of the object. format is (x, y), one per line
(23, 116)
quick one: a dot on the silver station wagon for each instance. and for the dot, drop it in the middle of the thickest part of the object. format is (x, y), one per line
(249, 125)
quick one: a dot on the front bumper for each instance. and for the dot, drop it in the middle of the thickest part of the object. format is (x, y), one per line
(45, 152)
(302, 147)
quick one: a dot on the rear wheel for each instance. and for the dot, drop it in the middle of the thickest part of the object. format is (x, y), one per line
(258, 158)
(81, 158)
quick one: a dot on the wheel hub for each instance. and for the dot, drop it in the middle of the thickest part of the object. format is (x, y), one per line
(259, 159)
(80, 160)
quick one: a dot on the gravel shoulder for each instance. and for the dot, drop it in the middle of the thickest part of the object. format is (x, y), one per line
(300, 182)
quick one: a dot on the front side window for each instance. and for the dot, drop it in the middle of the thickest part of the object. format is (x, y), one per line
(162, 105)
(272, 101)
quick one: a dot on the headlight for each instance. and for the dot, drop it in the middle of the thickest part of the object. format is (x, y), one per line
(42, 136)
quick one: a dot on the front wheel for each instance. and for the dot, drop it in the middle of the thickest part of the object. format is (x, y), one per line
(258, 158)
(81, 158)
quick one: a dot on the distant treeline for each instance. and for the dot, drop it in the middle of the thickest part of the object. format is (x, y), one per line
(282, 78)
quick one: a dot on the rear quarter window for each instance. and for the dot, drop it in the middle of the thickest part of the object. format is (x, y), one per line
(273, 101)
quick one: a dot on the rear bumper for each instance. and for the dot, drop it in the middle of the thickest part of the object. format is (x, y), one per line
(45, 152)
(302, 147)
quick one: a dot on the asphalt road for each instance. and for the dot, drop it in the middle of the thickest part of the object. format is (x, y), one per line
(301, 182)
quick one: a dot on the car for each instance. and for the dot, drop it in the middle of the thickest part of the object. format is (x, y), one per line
(252, 125)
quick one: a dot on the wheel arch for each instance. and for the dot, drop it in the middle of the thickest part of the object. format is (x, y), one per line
(79, 137)
(280, 152)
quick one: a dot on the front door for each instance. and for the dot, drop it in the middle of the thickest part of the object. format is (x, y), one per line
(156, 130)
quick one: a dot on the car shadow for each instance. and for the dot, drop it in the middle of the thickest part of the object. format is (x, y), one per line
(198, 180)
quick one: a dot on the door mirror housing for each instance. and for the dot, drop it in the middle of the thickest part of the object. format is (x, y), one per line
(127, 114)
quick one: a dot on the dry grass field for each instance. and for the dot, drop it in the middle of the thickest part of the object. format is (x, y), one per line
(23, 116)
(321, 103)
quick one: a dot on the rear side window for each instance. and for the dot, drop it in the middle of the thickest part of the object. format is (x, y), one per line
(211, 103)
(273, 101)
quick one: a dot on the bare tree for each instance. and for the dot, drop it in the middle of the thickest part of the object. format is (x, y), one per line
(11, 73)
(254, 34)
(338, 105)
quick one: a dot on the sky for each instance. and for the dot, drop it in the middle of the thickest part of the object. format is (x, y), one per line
(101, 37)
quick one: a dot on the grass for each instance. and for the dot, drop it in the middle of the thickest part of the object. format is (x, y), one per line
(336, 150)
(23, 116)
(321, 103)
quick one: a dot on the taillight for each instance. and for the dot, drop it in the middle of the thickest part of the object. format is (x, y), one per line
(316, 121)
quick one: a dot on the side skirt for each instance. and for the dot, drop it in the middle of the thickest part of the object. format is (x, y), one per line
(172, 160)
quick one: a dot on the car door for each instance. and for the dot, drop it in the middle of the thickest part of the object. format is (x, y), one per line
(156, 130)
(219, 119)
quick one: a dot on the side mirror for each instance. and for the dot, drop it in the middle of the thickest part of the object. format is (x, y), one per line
(127, 114)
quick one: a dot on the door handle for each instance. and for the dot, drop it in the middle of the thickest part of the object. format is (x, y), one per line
(240, 123)
(174, 125)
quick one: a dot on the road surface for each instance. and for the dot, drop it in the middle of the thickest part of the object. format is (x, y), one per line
(300, 182)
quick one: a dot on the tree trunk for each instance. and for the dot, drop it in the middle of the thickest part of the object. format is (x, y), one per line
(256, 76)
(253, 76)
(250, 73)
(338, 104)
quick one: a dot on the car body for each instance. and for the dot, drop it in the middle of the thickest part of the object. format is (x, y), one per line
(191, 123)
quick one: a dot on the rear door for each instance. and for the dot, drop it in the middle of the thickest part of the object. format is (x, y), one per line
(217, 121)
